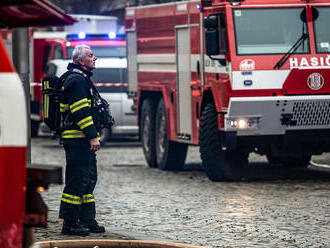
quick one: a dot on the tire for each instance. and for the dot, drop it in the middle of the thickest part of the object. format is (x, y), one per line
(169, 155)
(147, 131)
(105, 136)
(293, 162)
(34, 128)
(219, 165)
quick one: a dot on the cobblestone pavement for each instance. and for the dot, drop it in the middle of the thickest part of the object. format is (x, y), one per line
(274, 207)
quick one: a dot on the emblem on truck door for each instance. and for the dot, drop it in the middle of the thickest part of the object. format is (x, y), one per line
(315, 81)
(247, 65)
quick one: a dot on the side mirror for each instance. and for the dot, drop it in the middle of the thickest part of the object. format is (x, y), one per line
(211, 36)
(212, 42)
(211, 23)
(303, 16)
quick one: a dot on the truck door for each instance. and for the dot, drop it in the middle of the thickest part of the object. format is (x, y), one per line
(131, 62)
(183, 83)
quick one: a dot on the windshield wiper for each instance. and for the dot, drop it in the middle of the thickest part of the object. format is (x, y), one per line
(291, 51)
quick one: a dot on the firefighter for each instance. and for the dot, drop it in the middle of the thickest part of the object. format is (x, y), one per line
(80, 139)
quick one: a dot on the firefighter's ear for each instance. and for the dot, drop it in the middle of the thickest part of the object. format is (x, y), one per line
(81, 61)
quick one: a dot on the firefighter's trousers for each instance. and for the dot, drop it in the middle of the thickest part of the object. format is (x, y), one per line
(77, 203)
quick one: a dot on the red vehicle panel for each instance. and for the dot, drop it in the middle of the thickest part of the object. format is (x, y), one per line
(15, 182)
(234, 76)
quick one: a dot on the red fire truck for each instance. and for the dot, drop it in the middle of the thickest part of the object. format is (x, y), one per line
(21, 206)
(234, 77)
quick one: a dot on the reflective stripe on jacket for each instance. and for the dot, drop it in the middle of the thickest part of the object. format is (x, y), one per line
(76, 105)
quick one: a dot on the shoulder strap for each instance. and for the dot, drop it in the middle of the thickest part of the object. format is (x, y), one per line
(64, 76)
(70, 72)
(78, 71)
(96, 92)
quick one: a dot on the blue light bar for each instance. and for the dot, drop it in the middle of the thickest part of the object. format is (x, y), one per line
(80, 36)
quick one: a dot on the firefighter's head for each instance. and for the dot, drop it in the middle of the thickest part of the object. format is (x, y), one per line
(84, 56)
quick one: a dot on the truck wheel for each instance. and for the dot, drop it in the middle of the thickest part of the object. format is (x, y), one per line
(219, 165)
(34, 128)
(294, 162)
(170, 155)
(105, 136)
(147, 131)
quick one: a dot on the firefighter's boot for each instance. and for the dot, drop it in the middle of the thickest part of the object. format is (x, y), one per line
(74, 228)
(93, 226)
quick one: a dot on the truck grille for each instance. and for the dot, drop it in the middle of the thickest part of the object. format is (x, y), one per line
(312, 113)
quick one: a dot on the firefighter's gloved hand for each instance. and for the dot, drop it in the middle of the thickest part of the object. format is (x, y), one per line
(95, 144)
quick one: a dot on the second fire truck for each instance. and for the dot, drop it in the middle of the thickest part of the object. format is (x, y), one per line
(234, 77)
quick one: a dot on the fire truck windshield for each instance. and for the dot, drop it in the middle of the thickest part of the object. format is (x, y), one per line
(321, 30)
(104, 51)
(269, 31)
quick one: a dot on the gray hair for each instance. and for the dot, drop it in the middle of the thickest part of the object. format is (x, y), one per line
(79, 52)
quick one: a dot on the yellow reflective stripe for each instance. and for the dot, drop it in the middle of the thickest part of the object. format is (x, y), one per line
(88, 195)
(85, 122)
(88, 198)
(71, 196)
(71, 202)
(71, 134)
(46, 104)
(79, 105)
(71, 199)
(64, 107)
(71, 131)
(46, 85)
(78, 102)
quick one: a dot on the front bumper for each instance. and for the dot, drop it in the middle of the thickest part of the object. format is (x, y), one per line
(278, 115)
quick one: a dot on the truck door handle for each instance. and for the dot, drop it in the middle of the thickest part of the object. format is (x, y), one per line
(198, 67)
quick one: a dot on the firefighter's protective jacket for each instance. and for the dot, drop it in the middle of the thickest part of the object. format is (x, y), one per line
(76, 105)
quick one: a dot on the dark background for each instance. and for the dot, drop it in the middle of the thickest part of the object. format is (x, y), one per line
(103, 7)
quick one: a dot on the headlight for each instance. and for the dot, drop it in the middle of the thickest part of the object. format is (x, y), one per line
(240, 123)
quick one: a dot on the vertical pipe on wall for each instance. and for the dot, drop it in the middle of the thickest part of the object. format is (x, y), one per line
(20, 53)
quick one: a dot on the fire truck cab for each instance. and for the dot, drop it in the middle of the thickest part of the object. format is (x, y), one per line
(234, 77)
